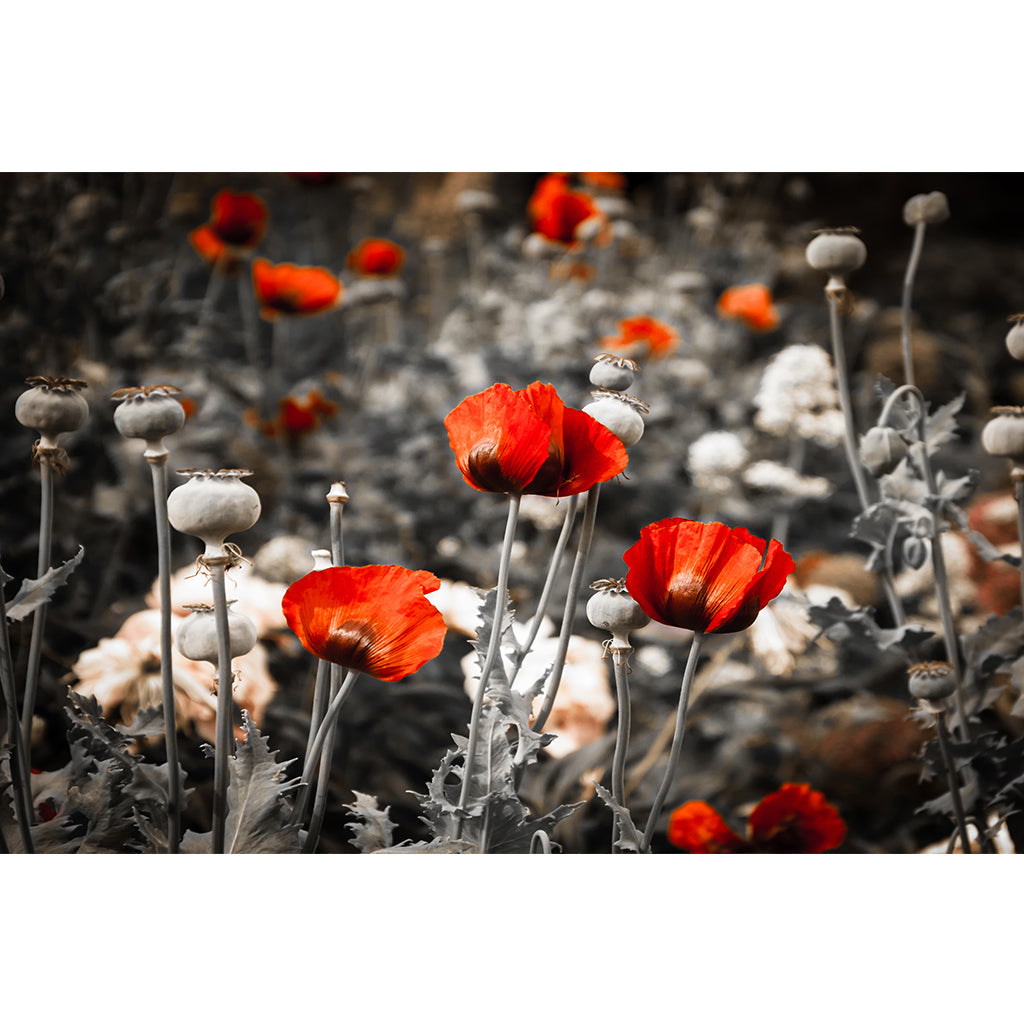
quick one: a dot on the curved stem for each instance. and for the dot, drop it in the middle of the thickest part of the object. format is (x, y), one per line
(158, 467)
(35, 649)
(677, 741)
(569, 616)
(954, 785)
(225, 706)
(620, 660)
(493, 647)
(545, 595)
(908, 285)
(540, 839)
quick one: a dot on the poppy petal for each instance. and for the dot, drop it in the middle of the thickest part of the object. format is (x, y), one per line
(207, 243)
(796, 819)
(699, 828)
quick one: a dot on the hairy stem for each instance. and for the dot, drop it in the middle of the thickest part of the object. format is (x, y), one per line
(677, 742)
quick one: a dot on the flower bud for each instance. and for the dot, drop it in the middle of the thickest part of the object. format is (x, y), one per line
(616, 373)
(915, 552)
(927, 208)
(212, 505)
(931, 680)
(53, 406)
(1015, 337)
(149, 413)
(1004, 435)
(196, 637)
(613, 609)
(881, 450)
(620, 413)
(836, 251)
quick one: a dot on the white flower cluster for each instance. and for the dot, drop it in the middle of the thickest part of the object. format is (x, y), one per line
(715, 458)
(798, 393)
(784, 480)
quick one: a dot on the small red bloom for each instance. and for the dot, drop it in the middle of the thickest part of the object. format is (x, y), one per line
(295, 416)
(528, 442)
(604, 181)
(564, 215)
(376, 257)
(286, 289)
(643, 335)
(373, 619)
(237, 223)
(751, 303)
(795, 819)
(704, 576)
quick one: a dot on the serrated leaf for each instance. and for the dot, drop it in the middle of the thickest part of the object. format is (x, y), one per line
(959, 489)
(997, 643)
(629, 839)
(903, 485)
(985, 548)
(374, 830)
(940, 426)
(856, 626)
(33, 593)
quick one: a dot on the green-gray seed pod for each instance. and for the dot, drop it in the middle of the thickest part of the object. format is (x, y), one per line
(931, 680)
(52, 407)
(212, 505)
(927, 208)
(1004, 434)
(196, 637)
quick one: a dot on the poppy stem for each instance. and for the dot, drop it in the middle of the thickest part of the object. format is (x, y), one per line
(316, 820)
(620, 659)
(850, 442)
(1018, 489)
(954, 785)
(908, 285)
(493, 647)
(569, 616)
(545, 596)
(225, 709)
(19, 765)
(35, 648)
(321, 699)
(677, 741)
(158, 467)
(326, 727)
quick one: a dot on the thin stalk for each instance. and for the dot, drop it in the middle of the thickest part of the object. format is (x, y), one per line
(954, 784)
(780, 520)
(677, 741)
(321, 699)
(1018, 490)
(213, 289)
(225, 705)
(620, 661)
(569, 616)
(158, 467)
(35, 649)
(493, 648)
(326, 727)
(250, 323)
(20, 773)
(850, 443)
(545, 595)
(908, 285)
(316, 820)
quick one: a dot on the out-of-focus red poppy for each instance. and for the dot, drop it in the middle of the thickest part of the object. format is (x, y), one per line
(704, 576)
(189, 405)
(376, 257)
(794, 819)
(236, 225)
(295, 418)
(528, 442)
(643, 336)
(604, 181)
(564, 215)
(373, 619)
(290, 290)
(314, 177)
(751, 303)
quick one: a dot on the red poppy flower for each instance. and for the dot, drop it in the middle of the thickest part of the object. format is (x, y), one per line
(704, 576)
(295, 416)
(376, 257)
(795, 819)
(284, 288)
(528, 442)
(559, 213)
(237, 222)
(643, 335)
(373, 619)
(751, 303)
(604, 181)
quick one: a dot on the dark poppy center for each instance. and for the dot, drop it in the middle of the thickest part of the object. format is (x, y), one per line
(350, 644)
(485, 470)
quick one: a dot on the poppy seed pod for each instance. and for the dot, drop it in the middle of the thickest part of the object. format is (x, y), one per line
(212, 505)
(196, 637)
(836, 251)
(149, 413)
(620, 413)
(53, 406)
(931, 680)
(1015, 338)
(881, 450)
(613, 609)
(616, 373)
(927, 208)
(1004, 434)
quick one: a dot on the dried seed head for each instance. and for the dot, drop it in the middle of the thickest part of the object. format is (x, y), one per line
(150, 413)
(196, 637)
(1015, 337)
(613, 609)
(1004, 434)
(838, 252)
(616, 373)
(881, 450)
(212, 505)
(927, 208)
(931, 680)
(53, 407)
(620, 413)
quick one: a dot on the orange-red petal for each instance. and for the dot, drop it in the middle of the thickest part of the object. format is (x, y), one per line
(796, 819)
(284, 288)
(751, 303)
(376, 257)
(699, 828)
(238, 218)
(704, 576)
(373, 619)
(207, 243)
